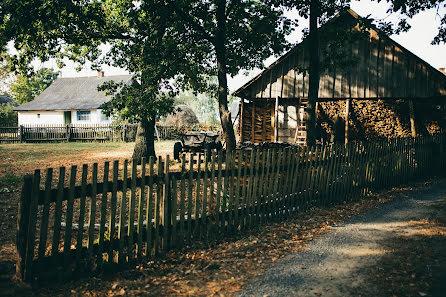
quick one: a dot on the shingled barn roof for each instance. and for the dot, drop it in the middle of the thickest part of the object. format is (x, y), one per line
(73, 93)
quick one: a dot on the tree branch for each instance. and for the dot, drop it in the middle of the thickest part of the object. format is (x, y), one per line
(192, 22)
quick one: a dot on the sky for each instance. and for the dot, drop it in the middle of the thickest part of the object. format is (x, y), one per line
(417, 40)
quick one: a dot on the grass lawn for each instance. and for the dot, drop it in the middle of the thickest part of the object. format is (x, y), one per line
(19, 159)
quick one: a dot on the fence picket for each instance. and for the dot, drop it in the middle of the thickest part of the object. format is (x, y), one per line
(81, 221)
(104, 198)
(182, 198)
(142, 195)
(45, 217)
(113, 201)
(69, 218)
(32, 227)
(122, 218)
(149, 209)
(58, 215)
(92, 218)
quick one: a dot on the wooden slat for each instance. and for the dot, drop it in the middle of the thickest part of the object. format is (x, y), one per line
(30, 238)
(92, 217)
(69, 218)
(122, 217)
(45, 217)
(157, 210)
(197, 198)
(81, 214)
(142, 195)
(58, 214)
(113, 203)
(103, 213)
(149, 209)
(131, 212)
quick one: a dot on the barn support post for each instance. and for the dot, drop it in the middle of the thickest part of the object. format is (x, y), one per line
(241, 119)
(276, 120)
(347, 115)
(412, 119)
(253, 122)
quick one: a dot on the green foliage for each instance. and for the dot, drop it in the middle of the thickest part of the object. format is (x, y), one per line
(25, 89)
(8, 117)
(410, 8)
(155, 40)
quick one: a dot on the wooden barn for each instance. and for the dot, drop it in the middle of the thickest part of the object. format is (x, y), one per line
(375, 85)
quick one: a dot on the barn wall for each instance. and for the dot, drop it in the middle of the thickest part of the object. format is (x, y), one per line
(366, 67)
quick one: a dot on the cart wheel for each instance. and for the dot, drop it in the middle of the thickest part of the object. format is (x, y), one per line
(177, 148)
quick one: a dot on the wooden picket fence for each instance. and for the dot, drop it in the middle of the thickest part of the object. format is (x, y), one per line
(126, 213)
(78, 133)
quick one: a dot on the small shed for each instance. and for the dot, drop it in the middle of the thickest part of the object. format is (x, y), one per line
(376, 85)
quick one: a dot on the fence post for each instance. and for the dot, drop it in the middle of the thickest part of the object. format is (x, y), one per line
(166, 206)
(68, 133)
(21, 136)
(22, 225)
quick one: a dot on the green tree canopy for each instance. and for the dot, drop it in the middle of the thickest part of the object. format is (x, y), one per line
(26, 88)
(156, 40)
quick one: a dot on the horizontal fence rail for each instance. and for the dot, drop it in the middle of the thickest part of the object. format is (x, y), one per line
(79, 133)
(126, 212)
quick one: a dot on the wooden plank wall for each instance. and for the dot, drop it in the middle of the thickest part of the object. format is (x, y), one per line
(383, 69)
(258, 121)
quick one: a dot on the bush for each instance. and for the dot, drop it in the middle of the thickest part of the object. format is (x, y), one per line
(8, 117)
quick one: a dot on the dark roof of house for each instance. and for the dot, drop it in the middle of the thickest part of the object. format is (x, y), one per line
(73, 93)
(5, 99)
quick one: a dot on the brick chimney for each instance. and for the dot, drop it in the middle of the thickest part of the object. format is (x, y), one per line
(442, 70)
(101, 74)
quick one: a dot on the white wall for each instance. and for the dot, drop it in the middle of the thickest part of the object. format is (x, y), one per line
(46, 118)
(57, 118)
(96, 117)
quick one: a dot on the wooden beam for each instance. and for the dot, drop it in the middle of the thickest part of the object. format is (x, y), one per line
(241, 119)
(347, 115)
(253, 122)
(276, 120)
(412, 119)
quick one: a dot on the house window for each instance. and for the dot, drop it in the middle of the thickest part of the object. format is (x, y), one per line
(83, 115)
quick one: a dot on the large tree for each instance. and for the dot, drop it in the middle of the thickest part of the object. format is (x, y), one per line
(138, 35)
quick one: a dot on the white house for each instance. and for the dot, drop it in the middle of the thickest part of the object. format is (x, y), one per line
(74, 100)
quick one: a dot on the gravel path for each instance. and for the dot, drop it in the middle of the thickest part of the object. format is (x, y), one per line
(339, 262)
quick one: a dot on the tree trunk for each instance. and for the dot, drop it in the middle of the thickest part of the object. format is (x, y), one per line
(313, 88)
(145, 140)
(225, 115)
